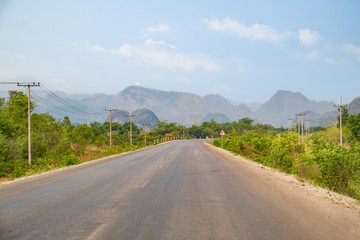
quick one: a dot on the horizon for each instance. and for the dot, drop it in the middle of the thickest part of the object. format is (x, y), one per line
(230, 100)
(244, 51)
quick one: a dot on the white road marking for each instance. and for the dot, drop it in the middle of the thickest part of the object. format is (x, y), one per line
(97, 233)
(145, 183)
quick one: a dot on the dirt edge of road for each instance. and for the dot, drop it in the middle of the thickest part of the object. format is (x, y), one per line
(337, 198)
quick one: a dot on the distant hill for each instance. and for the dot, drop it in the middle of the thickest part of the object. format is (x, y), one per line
(217, 117)
(186, 108)
(140, 117)
(354, 106)
(284, 104)
(168, 105)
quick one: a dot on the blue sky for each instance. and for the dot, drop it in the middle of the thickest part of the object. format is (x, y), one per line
(243, 50)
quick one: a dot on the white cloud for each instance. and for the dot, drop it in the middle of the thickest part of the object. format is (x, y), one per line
(19, 56)
(314, 54)
(355, 50)
(308, 37)
(158, 28)
(331, 61)
(161, 54)
(253, 32)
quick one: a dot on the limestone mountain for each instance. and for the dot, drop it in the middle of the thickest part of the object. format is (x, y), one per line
(284, 104)
(140, 117)
(185, 108)
(354, 106)
(172, 106)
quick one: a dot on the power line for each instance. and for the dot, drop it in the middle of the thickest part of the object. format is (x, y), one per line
(56, 97)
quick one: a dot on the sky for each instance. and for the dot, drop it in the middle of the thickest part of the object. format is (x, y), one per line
(242, 50)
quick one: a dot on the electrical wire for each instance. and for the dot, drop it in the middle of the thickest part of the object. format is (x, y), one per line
(56, 97)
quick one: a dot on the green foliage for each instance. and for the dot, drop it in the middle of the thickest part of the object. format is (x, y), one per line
(317, 159)
(59, 143)
(68, 159)
(354, 126)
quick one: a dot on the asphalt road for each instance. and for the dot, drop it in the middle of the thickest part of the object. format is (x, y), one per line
(179, 190)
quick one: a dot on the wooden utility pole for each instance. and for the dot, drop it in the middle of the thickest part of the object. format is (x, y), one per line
(341, 106)
(131, 116)
(29, 85)
(110, 111)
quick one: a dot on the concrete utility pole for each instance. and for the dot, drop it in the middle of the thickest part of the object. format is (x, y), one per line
(110, 111)
(145, 125)
(290, 124)
(131, 116)
(298, 122)
(300, 125)
(29, 85)
(341, 106)
(307, 127)
(183, 132)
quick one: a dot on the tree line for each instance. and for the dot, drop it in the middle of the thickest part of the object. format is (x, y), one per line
(59, 142)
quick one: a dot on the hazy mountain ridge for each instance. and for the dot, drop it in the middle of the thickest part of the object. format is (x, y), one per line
(354, 106)
(285, 104)
(183, 108)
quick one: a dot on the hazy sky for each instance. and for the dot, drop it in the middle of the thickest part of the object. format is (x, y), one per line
(243, 50)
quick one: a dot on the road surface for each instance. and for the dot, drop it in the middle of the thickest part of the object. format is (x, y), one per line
(179, 190)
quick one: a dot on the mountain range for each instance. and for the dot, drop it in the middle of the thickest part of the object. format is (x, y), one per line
(189, 108)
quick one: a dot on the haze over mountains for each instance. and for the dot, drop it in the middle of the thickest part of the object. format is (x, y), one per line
(188, 108)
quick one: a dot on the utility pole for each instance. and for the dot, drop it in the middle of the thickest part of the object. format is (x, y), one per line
(110, 111)
(290, 124)
(298, 122)
(183, 132)
(29, 85)
(307, 127)
(131, 116)
(145, 125)
(341, 106)
(300, 125)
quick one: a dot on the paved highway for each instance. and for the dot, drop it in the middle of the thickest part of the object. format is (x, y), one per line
(179, 190)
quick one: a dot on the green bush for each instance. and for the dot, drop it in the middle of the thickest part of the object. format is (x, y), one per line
(68, 159)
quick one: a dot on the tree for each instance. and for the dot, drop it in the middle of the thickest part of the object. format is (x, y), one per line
(344, 116)
(353, 123)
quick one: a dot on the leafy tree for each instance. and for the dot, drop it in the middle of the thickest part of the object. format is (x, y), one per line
(344, 116)
(353, 124)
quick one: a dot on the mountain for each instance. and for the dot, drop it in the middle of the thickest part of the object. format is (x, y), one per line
(119, 116)
(140, 117)
(185, 108)
(144, 116)
(217, 117)
(284, 104)
(168, 105)
(354, 106)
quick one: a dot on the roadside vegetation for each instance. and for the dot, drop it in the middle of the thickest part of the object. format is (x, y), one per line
(57, 143)
(317, 158)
